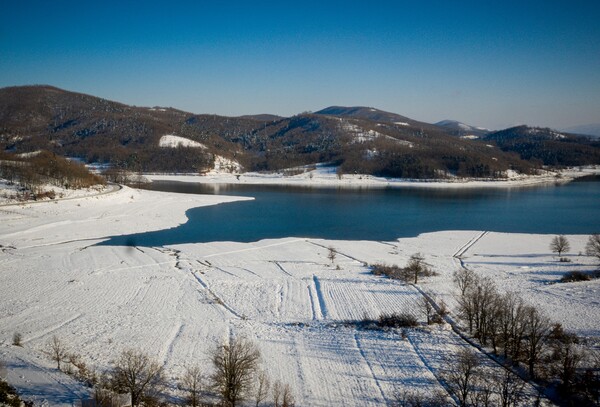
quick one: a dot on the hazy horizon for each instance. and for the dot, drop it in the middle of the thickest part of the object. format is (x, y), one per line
(493, 66)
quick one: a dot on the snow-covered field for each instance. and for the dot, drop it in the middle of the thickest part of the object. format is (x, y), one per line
(178, 302)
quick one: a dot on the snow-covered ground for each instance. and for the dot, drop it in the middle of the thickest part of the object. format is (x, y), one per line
(324, 175)
(178, 302)
(10, 193)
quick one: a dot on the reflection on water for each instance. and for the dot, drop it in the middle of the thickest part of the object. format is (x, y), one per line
(376, 213)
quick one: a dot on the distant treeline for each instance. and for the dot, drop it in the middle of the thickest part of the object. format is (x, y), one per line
(34, 171)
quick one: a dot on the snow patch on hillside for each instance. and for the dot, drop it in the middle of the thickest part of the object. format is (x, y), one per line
(172, 141)
(362, 135)
(226, 165)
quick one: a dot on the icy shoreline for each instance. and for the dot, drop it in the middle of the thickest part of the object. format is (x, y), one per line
(324, 176)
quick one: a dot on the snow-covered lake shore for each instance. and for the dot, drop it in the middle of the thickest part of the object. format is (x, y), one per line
(325, 176)
(178, 302)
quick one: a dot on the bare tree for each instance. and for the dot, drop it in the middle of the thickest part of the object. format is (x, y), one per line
(137, 374)
(287, 398)
(235, 366)
(57, 350)
(537, 327)
(464, 278)
(426, 308)
(592, 248)
(262, 388)
(510, 388)
(483, 392)
(511, 326)
(277, 389)
(416, 267)
(191, 383)
(420, 399)
(461, 375)
(560, 244)
(331, 254)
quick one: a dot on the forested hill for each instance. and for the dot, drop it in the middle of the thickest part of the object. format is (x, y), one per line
(358, 139)
(547, 146)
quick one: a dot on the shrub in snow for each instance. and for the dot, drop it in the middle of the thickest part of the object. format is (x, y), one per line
(17, 339)
(397, 321)
(8, 395)
(574, 276)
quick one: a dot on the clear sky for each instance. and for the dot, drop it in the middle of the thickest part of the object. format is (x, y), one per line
(488, 63)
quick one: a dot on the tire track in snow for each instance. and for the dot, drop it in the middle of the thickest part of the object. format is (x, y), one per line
(216, 298)
(423, 359)
(314, 304)
(52, 329)
(249, 271)
(167, 351)
(463, 249)
(281, 268)
(364, 263)
(252, 248)
(370, 367)
(320, 298)
(178, 260)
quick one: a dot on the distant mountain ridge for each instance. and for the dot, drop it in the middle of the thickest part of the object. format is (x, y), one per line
(372, 114)
(586, 129)
(357, 139)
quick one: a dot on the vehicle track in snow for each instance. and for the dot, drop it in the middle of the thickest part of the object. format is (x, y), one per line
(369, 367)
(464, 248)
(320, 298)
(51, 329)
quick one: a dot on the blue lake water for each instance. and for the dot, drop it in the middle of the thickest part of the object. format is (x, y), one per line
(377, 214)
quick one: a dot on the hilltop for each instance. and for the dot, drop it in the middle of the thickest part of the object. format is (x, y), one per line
(356, 139)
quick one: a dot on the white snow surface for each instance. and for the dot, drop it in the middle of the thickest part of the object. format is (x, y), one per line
(172, 141)
(326, 175)
(178, 302)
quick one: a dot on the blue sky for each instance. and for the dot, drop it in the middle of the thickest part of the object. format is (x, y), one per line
(487, 63)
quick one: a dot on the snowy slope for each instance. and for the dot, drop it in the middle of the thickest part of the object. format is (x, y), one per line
(178, 302)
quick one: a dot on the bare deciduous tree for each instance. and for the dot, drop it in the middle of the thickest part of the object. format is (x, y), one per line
(331, 254)
(287, 397)
(592, 248)
(191, 383)
(262, 388)
(57, 350)
(420, 399)
(461, 375)
(464, 279)
(426, 308)
(510, 388)
(137, 374)
(537, 327)
(277, 389)
(235, 366)
(560, 244)
(416, 267)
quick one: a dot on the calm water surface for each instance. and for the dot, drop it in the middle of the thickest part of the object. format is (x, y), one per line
(377, 214)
